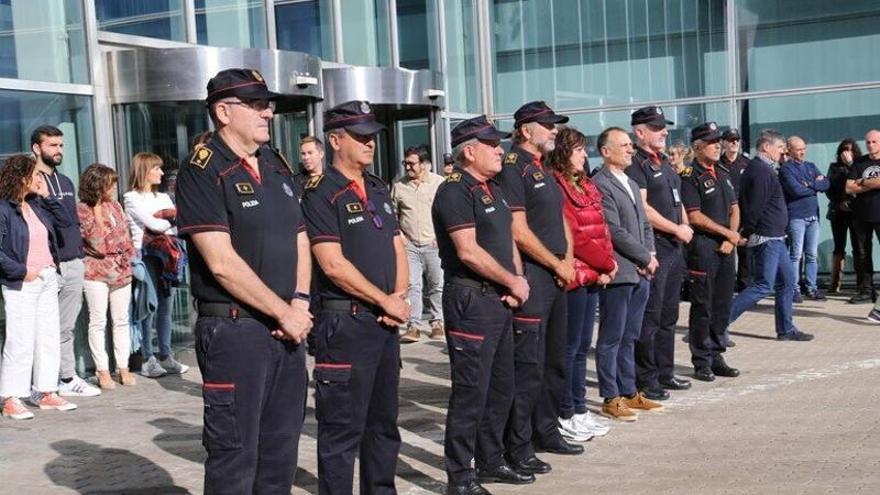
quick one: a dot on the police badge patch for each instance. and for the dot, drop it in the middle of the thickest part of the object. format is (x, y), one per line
(201, 157)
(244, 188)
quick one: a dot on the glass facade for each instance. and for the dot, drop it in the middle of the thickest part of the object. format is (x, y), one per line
(366, 32)
(152, 18)
(305, 26)
(238, 23)
(462, 56)
(417, 34)
(43, 41)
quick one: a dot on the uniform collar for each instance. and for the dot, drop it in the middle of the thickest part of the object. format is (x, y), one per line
(333, 173)
(519, 151)
(701, 170)
(654, 158)
(219, 145)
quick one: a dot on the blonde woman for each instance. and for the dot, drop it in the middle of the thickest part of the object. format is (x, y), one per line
(109, 251)
(152, 212)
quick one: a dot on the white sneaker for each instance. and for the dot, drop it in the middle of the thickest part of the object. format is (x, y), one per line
(77, 387)
(873, 317)
(570, 430)
(173, 366)
(588, 422)
(152, 368)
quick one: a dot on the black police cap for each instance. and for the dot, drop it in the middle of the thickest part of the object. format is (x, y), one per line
(707, 131)
(242, 83)
(652, 115)
(537, 111)
(355, 116)
(476, 128)
(731, 134)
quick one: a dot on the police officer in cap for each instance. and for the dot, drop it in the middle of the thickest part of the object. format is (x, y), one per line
(484, 280)
(711, 204)
(540, 332)
(362, 282)
(734, 163)
(250, 269)
(660, 187)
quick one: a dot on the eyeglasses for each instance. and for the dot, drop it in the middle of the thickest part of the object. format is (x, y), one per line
(409, 164)
(374, 215)
(256, 105)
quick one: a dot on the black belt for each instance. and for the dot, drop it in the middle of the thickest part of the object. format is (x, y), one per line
(483, 285)
(225, 309)
(355, 306)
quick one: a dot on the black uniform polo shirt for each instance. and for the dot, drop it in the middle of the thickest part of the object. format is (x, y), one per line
(463, 202)
(867, 203)
(529, 187)
(663, 186)
(334, 212)
(216, 192)
(734, 169)
(711, 194)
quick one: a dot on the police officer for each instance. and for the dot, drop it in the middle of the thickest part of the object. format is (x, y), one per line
(250, 269)
(362, 281)
(540, 332)
(660, 187)
(484, 279)
(734, 163)
(711, 205)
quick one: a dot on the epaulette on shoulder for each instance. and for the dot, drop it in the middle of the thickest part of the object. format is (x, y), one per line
(283, 159)
(313, 182)
(201, 157)
(687, 172)
(511, 158)
(454, 177)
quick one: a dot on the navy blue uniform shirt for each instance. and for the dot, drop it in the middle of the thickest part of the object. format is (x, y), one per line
(529, 187)
(216, 192)
(663, 186)
(463, 202)
(711, 193)
(734, 169)
(335, 213)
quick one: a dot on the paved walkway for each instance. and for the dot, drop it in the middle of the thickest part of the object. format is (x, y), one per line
(803, 418)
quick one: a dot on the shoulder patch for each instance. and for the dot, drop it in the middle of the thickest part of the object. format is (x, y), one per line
(511, 159)
(283, 159)
(313, 182)
(201, 157)
(686, 172)
(454, 177)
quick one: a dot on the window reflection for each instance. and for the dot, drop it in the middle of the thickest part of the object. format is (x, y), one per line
(152, 18)
(237, 23)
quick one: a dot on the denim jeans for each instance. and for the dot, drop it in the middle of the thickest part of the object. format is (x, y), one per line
(804, 235)
(582, 303)
(622, 310)
(424, 265)
(161, 319)
(772, 271)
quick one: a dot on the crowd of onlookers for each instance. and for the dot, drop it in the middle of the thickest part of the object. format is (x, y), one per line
(56, 251)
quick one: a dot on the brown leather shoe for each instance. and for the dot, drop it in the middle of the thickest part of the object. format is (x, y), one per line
(411, 335)
(104, 380)
(640, 402)
(437, 332)
(126, 378)
(618, 409)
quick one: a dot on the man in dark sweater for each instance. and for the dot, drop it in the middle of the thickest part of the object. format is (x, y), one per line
(764, 221)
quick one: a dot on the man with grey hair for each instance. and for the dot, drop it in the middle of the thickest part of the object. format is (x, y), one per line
(764, 221)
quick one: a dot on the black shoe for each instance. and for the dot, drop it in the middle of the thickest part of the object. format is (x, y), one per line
(686, 339)
(469, 488)
(730, 343)
(675, 384)
(504, 474)
(531, 465)
(797, 299)
(655, 393)
(816, 295)
(562, 448)
(796, 336)
(722, 369)
(704, 374)
(861, 298)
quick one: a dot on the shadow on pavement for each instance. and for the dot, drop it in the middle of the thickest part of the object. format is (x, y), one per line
(180, 439)
(89, 468)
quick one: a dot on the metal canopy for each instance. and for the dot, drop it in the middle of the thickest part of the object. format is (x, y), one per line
(383, 86)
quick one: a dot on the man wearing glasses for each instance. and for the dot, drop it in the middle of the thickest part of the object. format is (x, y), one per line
(362, 281)
(250, 273)
(412, 197)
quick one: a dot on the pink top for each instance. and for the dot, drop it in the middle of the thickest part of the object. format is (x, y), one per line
(39, 256)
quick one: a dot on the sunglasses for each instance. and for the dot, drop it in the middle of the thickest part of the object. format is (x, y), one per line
(374, 215)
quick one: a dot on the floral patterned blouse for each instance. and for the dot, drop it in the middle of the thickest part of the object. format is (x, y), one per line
(108, 246)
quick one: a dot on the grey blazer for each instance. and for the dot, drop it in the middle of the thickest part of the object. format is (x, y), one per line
(631, 233)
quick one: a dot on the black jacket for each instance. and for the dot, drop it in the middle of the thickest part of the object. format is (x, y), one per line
(15, 237)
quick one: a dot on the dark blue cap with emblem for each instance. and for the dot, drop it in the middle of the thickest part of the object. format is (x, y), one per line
(707, 131)
(537, 111)
(476, 128)
(247, 84)
(652, 115)
(355, 116)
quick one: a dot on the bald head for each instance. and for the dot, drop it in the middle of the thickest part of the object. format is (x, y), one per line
(797, 148)
(872, 142)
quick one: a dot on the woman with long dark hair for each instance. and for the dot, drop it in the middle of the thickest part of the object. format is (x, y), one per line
(840, 207)
(29, 277)
(594, 267)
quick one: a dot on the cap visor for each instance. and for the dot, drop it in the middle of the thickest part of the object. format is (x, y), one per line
(365, 128)
(492, 135)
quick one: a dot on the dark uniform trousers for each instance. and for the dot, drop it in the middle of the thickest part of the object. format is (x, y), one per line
(357, 373)
(255, 396)
(711, 276)
(655, 349)
(540, 336)
(480, 342)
